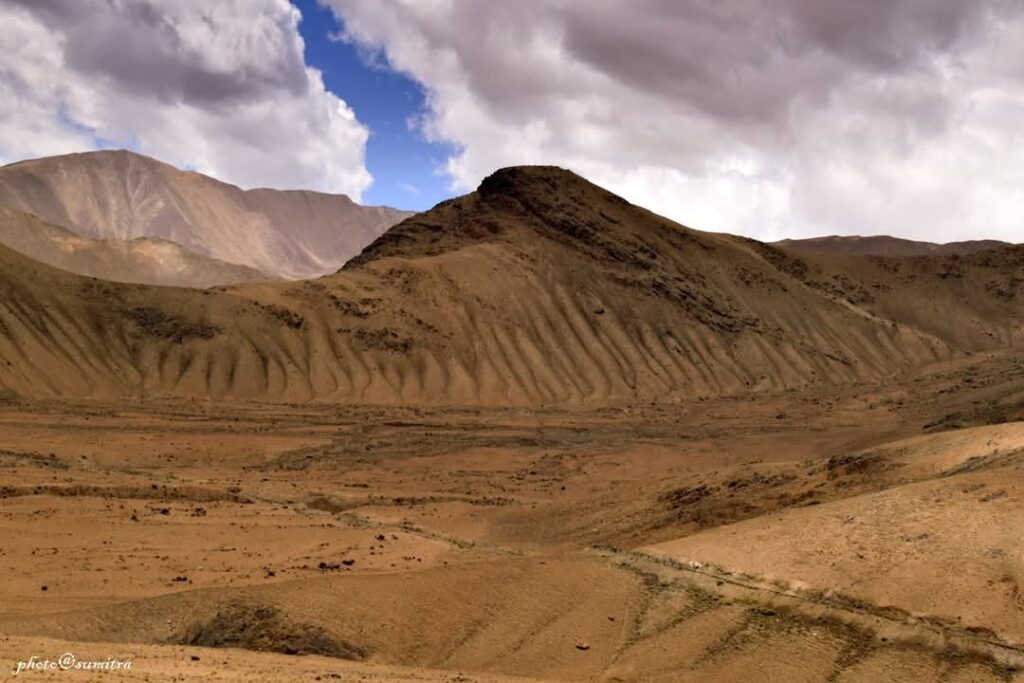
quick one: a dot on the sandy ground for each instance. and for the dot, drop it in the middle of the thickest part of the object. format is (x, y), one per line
(843, 535)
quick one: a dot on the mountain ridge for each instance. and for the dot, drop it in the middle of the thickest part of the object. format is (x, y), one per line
(887, 245)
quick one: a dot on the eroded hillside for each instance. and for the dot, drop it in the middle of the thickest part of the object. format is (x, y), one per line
(538, 288)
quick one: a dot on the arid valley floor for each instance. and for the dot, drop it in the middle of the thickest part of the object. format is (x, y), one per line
(864, 534)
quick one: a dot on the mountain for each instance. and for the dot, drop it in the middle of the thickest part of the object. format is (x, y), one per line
(120, 195)
(884, 245)
(538, 288)
(141, 260)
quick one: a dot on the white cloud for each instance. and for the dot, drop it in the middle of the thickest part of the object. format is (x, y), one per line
(788, 118)
(220, 87)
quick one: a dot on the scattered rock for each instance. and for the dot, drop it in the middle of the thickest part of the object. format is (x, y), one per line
(995, 495)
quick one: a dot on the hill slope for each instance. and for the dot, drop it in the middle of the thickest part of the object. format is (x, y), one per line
(141, 260)
(538, 288)
(120, 195)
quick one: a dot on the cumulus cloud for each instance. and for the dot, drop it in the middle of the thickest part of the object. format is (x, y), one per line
(786, 118)
(221, 87)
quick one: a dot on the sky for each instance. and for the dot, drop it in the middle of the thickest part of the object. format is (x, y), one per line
(407, 168)
(768, 118)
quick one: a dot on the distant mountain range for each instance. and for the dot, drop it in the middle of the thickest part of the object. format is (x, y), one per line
(884, 245)
(222, 233)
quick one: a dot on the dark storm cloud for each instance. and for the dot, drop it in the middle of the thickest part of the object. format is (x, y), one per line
(890, 34)
(749, 59)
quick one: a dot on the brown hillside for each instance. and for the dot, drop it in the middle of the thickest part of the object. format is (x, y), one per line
(538, 288)
(974, 301)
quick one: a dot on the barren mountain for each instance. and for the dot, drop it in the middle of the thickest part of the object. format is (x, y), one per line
(141, 260)
(538, 288)
(119, 195)
(884, 245)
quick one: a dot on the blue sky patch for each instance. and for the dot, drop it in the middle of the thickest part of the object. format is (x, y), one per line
(405, 167)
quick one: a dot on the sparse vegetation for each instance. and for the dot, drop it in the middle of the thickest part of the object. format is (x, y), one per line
(284, 316)
(156, 323)
(267, 629)
(383, 339)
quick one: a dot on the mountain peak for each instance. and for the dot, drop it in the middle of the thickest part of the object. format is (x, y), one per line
(112, 157)
(512, 204)
(530, 207)
(511, 178)
(544, 185)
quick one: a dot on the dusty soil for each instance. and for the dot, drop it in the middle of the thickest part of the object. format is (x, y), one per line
(863, 533)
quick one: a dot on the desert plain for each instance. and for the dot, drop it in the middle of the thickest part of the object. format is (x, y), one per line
(809, 535)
